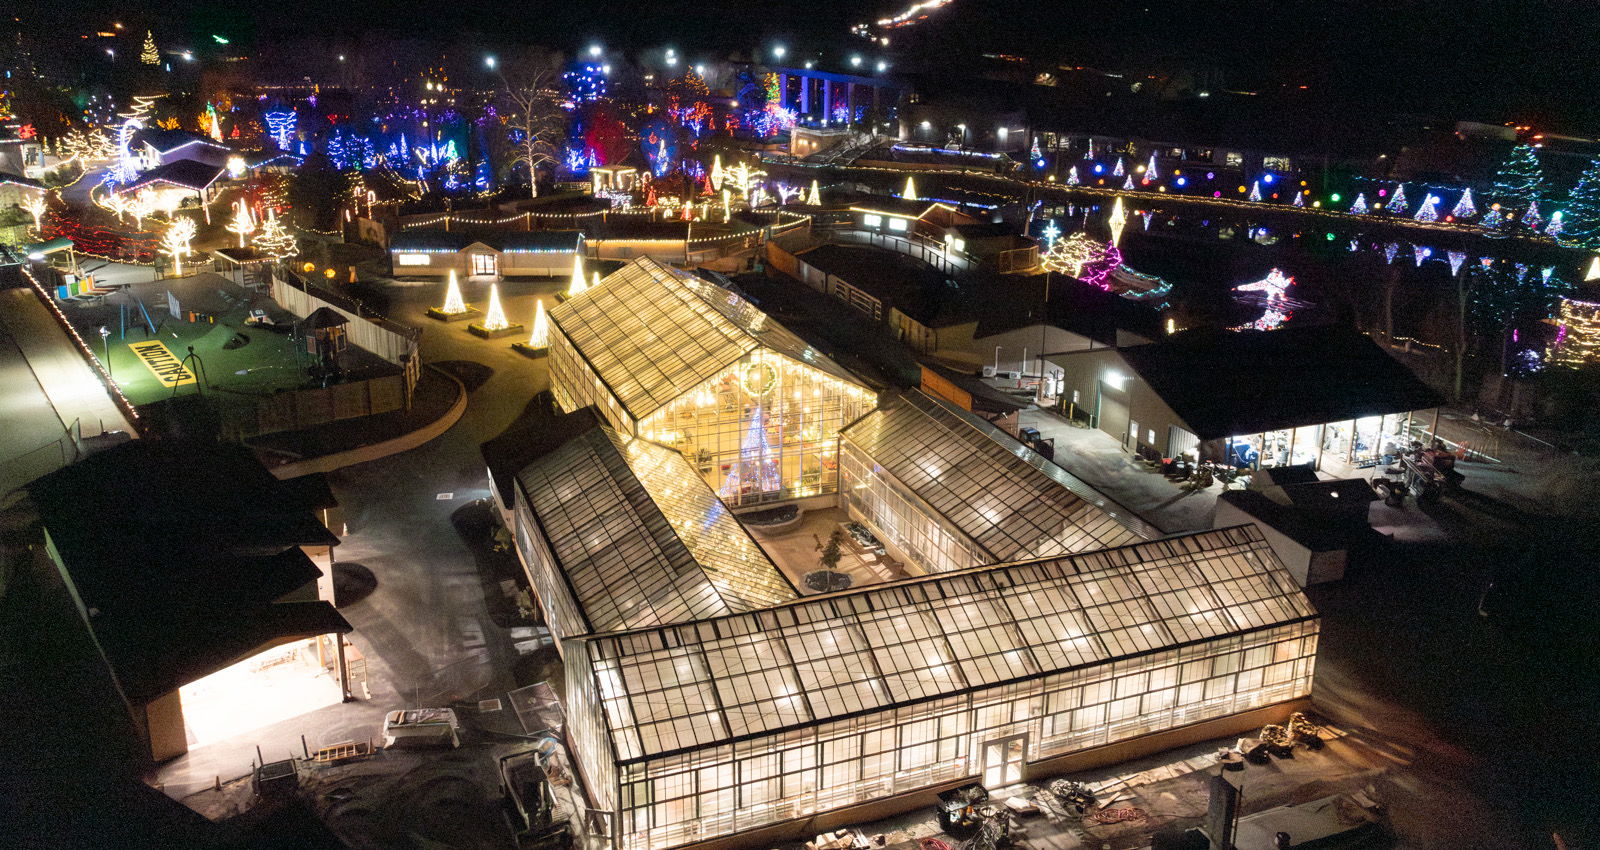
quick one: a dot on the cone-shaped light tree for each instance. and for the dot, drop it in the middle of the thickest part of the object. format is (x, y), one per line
(495, 319)
(579, 282)
(540, 338)
(453, 302)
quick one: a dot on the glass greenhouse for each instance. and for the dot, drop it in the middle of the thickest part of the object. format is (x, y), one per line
(678, 360)
(698, 730)
(947, 491)
(621, 534)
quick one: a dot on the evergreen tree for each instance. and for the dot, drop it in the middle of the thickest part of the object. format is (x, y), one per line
(1580, 222)
(1519, 181)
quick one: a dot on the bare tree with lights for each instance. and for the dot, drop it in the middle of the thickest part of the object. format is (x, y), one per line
(176, 242)
(530, 95)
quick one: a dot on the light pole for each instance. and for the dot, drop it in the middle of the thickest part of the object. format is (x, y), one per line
(105, 338)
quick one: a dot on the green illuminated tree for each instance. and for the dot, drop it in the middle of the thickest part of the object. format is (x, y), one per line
(1519, 180)
(1580, 222)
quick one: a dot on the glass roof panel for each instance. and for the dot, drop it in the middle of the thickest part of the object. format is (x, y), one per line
(988, 490)
(820, 658)
(652, 332)
(640, 537)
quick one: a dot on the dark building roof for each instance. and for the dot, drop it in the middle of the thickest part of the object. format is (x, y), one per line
(892, 205)
(325, 317)
(242, 256)
(179, 553)
(500, 240)
(181, 172)
(984, 230)
(907, 284)
(1288, 521)
(1223, 383)
(1012, 301)
(985, 398)
(7, 177)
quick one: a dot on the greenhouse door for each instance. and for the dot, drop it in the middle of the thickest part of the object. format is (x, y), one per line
(1002, 761)
(485, 264)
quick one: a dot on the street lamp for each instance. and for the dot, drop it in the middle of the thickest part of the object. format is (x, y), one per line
(105, 337)
(594, 50)
(855, 61)
(778, 51)
(489, 61)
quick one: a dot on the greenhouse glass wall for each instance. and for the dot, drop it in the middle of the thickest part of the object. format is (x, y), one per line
(708, 729)
(946, 490)
(673, 358)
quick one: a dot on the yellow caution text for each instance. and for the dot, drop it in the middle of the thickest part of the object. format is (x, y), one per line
(167, 368)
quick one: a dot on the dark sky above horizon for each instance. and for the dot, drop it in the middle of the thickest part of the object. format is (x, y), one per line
(1484, 59)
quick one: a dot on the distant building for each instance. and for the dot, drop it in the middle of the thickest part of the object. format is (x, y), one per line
(213, 565)
(1322, 395)
(157, 147)
(508, 253)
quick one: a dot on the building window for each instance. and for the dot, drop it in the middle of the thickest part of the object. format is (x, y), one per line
(1275, 163)
(872, 220)
(897, 224)
(411, 259)
(1234, 158)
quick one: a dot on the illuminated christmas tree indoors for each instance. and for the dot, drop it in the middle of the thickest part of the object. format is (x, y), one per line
(757, 469)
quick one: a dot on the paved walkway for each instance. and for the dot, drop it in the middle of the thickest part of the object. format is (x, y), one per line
(46, 387)
(426, 629)
(1170, 788)
(1093, 456)
(794, 550)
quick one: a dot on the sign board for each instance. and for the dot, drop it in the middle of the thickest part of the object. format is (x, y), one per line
(172, 304)
(168, 369)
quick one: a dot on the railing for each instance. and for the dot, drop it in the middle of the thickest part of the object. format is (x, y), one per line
(933, 253)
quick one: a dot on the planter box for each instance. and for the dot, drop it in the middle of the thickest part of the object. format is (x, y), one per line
(436, 313)
(527, 350)
(509, 330)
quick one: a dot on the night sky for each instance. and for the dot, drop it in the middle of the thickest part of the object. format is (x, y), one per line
(1530, 61)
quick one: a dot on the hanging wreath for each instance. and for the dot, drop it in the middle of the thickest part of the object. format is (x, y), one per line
(759, 378)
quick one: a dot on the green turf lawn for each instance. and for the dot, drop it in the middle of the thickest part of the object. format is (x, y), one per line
(267, 363)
